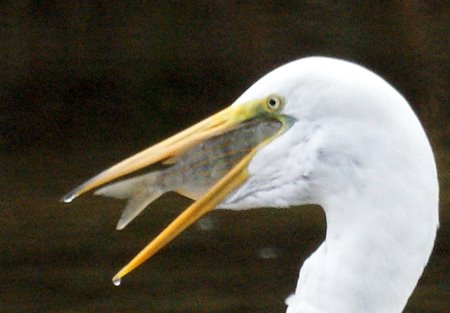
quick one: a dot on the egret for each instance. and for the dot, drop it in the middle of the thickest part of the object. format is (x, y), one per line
(347, 141)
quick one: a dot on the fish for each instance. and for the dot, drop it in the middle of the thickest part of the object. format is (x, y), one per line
(192, 173)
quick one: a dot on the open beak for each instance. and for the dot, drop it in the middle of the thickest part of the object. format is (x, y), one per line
(168, 149)
(216, 124)
(214, 196)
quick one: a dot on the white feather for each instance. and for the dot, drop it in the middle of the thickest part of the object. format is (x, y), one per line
(358, 150)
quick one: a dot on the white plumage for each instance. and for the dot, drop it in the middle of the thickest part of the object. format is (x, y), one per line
(358, 150)
(353, 146)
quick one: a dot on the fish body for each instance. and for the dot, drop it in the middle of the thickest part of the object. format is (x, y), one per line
(193, 172)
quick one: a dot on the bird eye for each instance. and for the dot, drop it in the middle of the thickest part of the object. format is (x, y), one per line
(274, 103)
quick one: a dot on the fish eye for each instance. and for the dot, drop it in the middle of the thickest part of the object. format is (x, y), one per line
(274, 103)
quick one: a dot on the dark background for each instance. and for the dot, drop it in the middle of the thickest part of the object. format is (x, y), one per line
(85, 84)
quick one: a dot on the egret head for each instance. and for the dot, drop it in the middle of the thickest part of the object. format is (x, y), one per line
(347, 122)
(343, 131)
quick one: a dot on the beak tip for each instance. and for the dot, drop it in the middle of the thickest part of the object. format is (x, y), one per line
(68, 197)
(116, 280)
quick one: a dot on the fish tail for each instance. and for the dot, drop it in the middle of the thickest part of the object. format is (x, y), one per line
(140, 192)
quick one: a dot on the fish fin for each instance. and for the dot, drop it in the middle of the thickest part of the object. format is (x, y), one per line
(140, 192)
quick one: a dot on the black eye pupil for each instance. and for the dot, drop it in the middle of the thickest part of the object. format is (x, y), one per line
(272, 102)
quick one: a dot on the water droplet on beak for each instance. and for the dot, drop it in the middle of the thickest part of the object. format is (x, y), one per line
(116, 281)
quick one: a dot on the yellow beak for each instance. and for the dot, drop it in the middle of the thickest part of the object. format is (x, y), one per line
(171, 147)
(202, 206)
(219, 123)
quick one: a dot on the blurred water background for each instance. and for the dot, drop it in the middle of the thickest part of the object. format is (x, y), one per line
(85, 84)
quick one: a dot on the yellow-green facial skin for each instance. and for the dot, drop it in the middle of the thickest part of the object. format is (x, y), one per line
(269, 107)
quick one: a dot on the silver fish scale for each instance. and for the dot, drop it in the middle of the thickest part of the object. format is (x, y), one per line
(203, 165)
